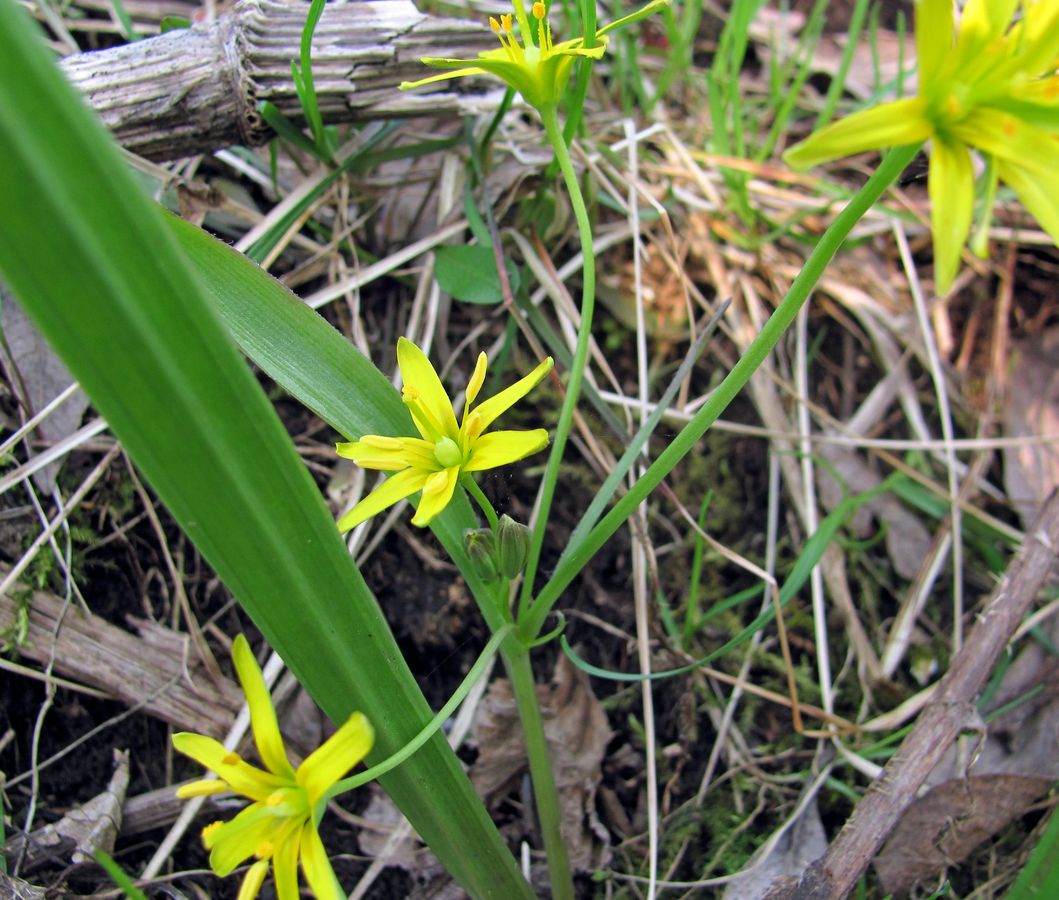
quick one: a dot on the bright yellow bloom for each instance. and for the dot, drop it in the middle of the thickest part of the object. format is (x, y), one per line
(539, 71)
(278, 827)
(991, 85)
(434, 462)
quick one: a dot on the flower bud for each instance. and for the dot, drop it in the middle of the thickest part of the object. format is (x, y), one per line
(512, 550)
(480, 545)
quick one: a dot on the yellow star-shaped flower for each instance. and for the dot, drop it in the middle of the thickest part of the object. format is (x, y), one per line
(279, 826)
(989, 84)
(538, 71)
(434, 461)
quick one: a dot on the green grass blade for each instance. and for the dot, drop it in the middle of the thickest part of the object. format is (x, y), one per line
(95, 265)
(634, 447)
(838, 81)
(307, 86)
(1040, 875)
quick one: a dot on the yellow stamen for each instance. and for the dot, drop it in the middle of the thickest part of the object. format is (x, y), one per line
(265, 850)
(232, 759)
(208, 832)
(421, 414)
(495, 25)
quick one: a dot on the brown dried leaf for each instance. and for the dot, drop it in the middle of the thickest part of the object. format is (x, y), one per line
(40, 377)
(380, 839)
(943, 827)
(577, 732)
(17, 889)
(985, 780)
(1032, 409)
(90, 827)
(798, 846)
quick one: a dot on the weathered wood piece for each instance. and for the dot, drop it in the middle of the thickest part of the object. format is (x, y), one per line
(198, 89)
(951, 712)
(154, 669)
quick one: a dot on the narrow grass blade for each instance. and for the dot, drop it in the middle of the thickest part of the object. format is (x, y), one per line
(635, 446)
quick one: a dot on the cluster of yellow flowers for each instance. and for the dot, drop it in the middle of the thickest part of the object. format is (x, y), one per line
(987, 82)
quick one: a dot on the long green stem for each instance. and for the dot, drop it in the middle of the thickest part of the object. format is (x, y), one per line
(428, 731)
(542, 775)
(532, 620)
(550, 118)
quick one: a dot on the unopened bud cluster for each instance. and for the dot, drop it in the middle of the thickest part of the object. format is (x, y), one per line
(501, 553)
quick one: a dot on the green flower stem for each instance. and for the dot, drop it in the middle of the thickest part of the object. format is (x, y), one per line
(472, 488)
(532, 620)
(550, 118)
(542, 774)
(428, 731)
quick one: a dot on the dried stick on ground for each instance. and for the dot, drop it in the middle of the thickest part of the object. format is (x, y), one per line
(198, 89)
(951, 712)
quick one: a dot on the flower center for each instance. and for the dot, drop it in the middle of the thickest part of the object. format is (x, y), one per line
(447, 453)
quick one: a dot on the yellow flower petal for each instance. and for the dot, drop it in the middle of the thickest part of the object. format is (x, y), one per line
(437, 492)
(317, 867)
(252, 881)
(490, 409)
(951, 187)
(387, 454)
(393, 489)
(474, 386)
(206, 787)
(336, 756)
(239, 839)
(1040, 37)
(285, 866)
(442, 76)
(1039, 194)
(420, 376)
(262, 713)
(238, 774)
(983, 21)
(1005, 136)
(934, 37)
(888, 125)
(499, 448)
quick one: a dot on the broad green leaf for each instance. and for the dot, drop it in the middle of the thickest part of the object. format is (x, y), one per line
(468, 273)
(95, 265)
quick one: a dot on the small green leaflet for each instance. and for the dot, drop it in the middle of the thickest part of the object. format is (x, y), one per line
(468, 273)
